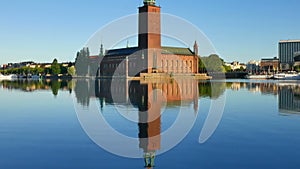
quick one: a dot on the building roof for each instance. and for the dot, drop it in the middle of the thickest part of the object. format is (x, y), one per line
(289, 41)
(122, 51)
(165, 50)
(177, 51)
(270, 59)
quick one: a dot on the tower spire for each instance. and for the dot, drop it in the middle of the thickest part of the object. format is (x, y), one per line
(101, 50)
(196, 48)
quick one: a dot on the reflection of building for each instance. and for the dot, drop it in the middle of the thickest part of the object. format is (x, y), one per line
(123, 91)
(269, 88)
(149, 57)
(287, 50)
(149, 122)
(269, 65)
(148, 98)
(264, 88)
(289, 99)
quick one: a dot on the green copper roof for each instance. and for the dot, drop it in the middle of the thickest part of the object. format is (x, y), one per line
(122, 51)
(165, 50)
(177, 51)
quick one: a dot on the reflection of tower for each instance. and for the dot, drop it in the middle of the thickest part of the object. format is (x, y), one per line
(149, 97)
(150, 123)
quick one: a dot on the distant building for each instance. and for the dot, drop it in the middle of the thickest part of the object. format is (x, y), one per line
(269, 64)
(236, 66)
(253, 67)
(287, 51)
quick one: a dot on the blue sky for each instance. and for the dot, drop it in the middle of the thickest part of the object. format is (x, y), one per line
(240, 30)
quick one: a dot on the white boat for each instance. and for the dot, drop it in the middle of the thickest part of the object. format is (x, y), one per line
(291, 75)
(35, 77)
(8, 77)
(250, 76)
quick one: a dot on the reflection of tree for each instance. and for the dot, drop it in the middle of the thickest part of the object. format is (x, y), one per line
(212, 89)
(32, 85)
(82, 92)
(70, 85)
(55, 86)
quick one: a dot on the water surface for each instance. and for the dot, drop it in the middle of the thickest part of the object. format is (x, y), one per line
(259, 128)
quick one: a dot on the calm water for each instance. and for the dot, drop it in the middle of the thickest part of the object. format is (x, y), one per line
(54, 124)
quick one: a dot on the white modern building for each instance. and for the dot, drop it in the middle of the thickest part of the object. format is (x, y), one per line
(287, 51)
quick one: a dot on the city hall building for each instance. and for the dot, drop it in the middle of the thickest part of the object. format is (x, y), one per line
(149, 58)
(288, 50)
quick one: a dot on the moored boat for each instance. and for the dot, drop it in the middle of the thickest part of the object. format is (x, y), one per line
(250, 76)
(291, 75)
(8, 77)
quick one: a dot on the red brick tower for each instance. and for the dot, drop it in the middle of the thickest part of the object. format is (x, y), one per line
(150, 33)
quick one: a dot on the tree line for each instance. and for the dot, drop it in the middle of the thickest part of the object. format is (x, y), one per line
(213, 64)
(54, 70)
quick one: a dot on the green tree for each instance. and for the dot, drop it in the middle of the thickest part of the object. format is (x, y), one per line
(297, 68)
(40, 70)
(26, 70)
(201, 67)
(64, 70)
(71, 71)
(213, 63)
(47, 71)
(227, 68)
(55, 68)
(82, 62)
